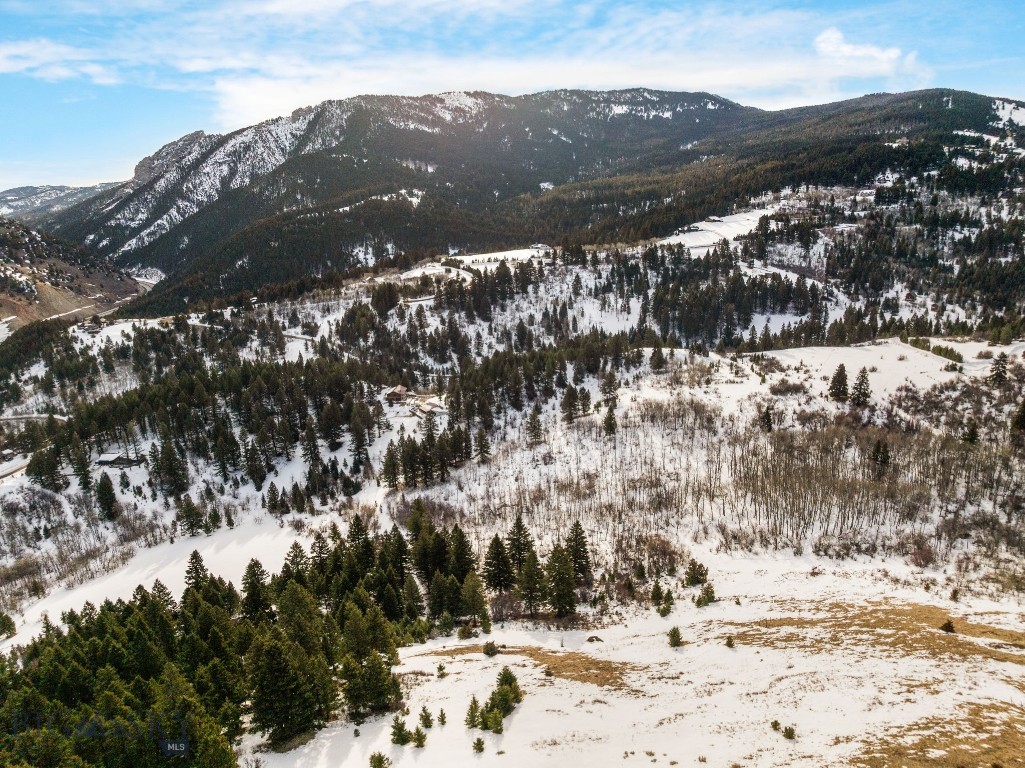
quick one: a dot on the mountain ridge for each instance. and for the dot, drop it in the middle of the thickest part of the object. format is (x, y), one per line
(332, 179)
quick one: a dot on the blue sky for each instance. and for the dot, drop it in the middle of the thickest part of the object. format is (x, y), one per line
(89, 87)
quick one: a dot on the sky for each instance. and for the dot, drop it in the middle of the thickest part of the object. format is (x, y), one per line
(89, 87)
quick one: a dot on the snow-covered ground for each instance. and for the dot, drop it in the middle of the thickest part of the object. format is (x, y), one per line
(850, 655)
(709, 232)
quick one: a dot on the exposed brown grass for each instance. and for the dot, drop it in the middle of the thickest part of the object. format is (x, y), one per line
(978, 736)
(567, 665)
(902, 628)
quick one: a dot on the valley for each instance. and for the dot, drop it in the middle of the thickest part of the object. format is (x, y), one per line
(728, 476)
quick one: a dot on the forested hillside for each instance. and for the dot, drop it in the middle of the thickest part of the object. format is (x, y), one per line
(341, 184)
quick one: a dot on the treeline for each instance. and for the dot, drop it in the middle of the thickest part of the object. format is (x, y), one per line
(286, 654)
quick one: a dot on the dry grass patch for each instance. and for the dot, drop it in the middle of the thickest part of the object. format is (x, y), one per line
(979, 736)
(567, 665)
(903, 628)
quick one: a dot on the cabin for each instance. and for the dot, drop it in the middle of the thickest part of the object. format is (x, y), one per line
(396, 395)
(118, 460)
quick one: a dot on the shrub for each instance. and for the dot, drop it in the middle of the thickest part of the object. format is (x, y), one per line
(947, 626)
(419, 737)
(707, 596)
(426, 720)
(775, 725)
(730, 642)
(7, 626)
(675, 639)
(441, 671)
(923, 555)
(656, 593)
(478, 745)
(466, 632)
(441, 717)
(399, 733)
(473, 714)
(696, 573)
(378, 760)
(490, 649)
(789, 732)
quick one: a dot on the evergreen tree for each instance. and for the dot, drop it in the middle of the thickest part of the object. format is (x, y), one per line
(609, 387)
(498, 568)
(256, 599)
(412, 601)
(658, 358)
(460, 555)
(520, 542)
(534, 430)
(560, 582)
(861, 393)
(106, 499)
(530, 588)
(196, 574)
(998, 372)
(292, 691)
(569, 404)
(576, 546)
(390, 466)
(609, 424)
(310, 447)
(482, 449)
(838, 384)
(474, 602)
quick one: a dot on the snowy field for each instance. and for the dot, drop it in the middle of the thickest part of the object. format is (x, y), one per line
(849, 655)
(709, 232)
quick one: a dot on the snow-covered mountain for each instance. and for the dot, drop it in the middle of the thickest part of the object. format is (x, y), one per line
(323, 188)
(31, 204)
(481, 145)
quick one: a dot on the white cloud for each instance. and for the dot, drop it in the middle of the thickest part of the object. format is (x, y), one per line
(262, 58)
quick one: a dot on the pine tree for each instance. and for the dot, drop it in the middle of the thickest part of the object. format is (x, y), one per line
(861, 394)
(998, 372)
(569, 404)
(256, 601)
(310, 447)
(196, 574)
(473, 714)
(412, 600)
(390, 467)
(609, 424)
(534, 430)
(658, 358)
(838, 384)
(482, 449)
(580, 556)
(473, 600)
(560, 582)
(530, 588)
(400, 734)
(498, 568)
(609, 387)
(461, 561)
(292, 691)
(520, 542)
(106, 499)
